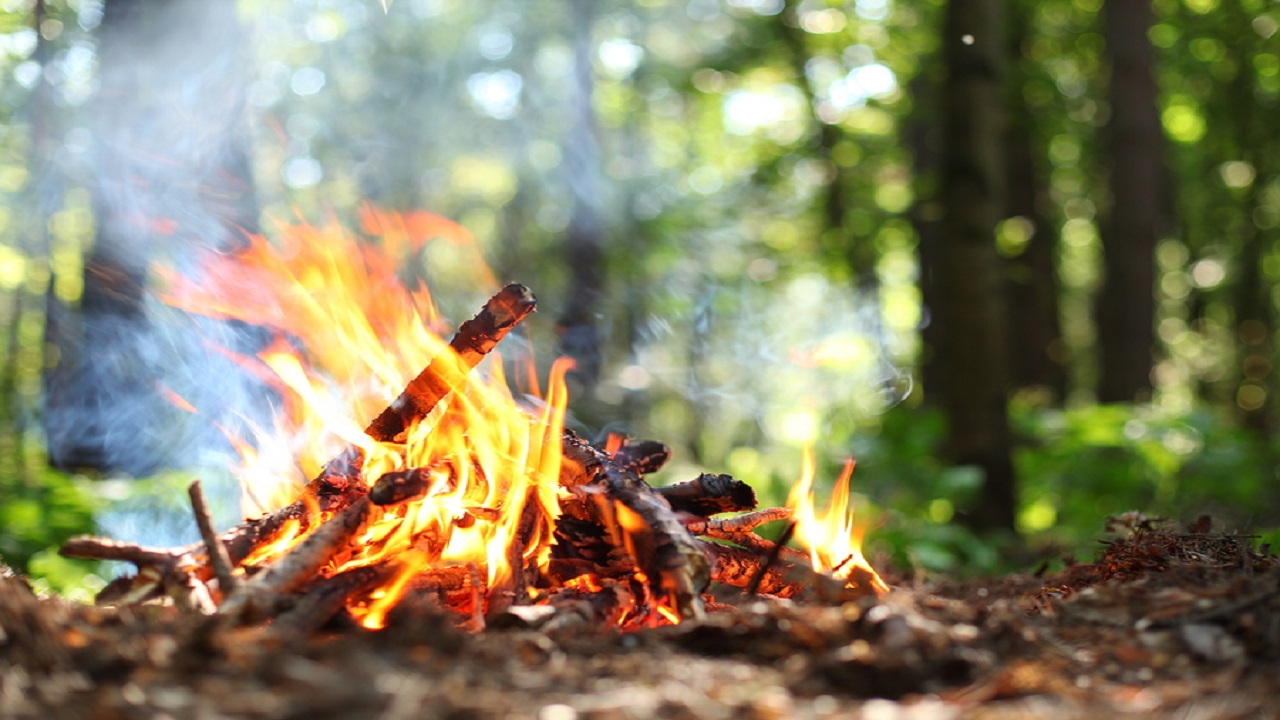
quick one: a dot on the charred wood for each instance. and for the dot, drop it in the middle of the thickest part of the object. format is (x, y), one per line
(219, 561)
(447, 372)
(581, 463)
(401, 486)
(708, 495)
(641, 456)
(508, 590)
(738, 567)
(266, 592)
(327, 597)
(753, 586)
(643, 522)
(94, 548)
(737, 524)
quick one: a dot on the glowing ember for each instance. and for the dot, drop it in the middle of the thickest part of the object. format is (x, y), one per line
(832, 538)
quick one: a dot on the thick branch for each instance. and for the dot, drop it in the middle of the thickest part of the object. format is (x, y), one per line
(643, 523)
(264, 593)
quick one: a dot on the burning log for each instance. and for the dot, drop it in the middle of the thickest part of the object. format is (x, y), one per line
(641, 457)
(326, 598)
(402, 486)
(644, 523)
(625, 553)
(507, 590)
(474, 339)
(709, 495)
(267, 591)
(739, 568)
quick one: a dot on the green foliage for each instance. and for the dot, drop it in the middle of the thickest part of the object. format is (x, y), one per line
(1079, 466)
(41, 508)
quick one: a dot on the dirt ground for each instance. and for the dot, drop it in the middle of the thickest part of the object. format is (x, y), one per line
(1161, 625)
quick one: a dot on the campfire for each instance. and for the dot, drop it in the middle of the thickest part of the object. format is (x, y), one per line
(459, 495)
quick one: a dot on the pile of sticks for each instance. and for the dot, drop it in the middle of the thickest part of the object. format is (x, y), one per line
(623, 550)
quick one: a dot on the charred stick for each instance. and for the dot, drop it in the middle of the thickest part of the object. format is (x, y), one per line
(761, 546)
(327, 597)
(641, 456)
(447, 371)
(737, 524)
(94, 548)
(580, 463)
(709, 495)
(218, 558)
(505, 592)
(737, 567)
(643, 523)
(445, 579)
(753, 587)
(262, 595)
(401, 486)
(174, 572)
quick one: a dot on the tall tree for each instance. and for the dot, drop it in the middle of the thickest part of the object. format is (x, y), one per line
(1256, 142)
(922, 134)
(975, 362)
(1036, 343)
(170, 172)
(1126, 304)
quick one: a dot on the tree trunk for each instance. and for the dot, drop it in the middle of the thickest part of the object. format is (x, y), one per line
(976, 359)
(1257, 142)
(922, 137)
(1126, 305)
(1036, 342)
(170, 172)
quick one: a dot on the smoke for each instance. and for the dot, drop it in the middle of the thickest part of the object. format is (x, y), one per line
(766, 365)
(137, 387)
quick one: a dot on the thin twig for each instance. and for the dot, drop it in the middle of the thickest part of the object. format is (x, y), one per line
(219, 560)
(745, 522)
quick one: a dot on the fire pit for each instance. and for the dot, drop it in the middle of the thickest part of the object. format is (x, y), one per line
(457, 494)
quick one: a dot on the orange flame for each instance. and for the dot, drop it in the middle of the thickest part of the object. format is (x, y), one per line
(348, 338)
(833, 539)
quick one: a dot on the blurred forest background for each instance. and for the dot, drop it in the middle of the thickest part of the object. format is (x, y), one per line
(1018, 257)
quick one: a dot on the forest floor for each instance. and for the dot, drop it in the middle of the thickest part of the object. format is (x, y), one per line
(1161, 624)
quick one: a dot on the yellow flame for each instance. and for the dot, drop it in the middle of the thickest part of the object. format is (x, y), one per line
(832, 538)
(349, 338)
